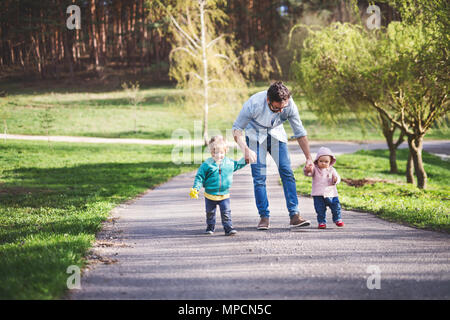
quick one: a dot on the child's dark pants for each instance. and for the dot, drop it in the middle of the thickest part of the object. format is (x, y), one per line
(225, 213)
(321, 204)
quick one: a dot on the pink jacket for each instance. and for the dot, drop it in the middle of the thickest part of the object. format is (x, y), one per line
(322, 183)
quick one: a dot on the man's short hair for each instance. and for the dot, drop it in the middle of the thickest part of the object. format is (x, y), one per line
(278, 92)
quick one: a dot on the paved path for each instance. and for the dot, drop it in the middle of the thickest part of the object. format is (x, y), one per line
(159, 251)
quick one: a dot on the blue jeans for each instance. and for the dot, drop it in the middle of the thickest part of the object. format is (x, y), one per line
(320, 205)
(279, 152)
(225, 213)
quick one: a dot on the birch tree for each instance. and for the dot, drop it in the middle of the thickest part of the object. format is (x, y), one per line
(203, 61)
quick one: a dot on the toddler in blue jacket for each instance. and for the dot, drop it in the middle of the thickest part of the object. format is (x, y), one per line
(216, 176)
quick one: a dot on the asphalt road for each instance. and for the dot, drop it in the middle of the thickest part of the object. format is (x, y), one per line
(154, 248)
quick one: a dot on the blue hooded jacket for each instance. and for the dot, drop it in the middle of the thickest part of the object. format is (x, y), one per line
(217, 178)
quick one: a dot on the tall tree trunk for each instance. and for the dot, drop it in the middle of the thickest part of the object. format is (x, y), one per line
(120, 30)
(133, 34)
(67, 48)
(205, 72)
(129, 32)
(38, 56)
(141, 35)
(68, 55)
(103, 18)
(95, 47)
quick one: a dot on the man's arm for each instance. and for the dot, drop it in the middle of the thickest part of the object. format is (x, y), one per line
(249, 155)
(239, 125)
(304, 145)
(299, 132)
(294, 120)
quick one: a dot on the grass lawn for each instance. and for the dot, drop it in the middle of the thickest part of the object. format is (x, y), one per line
(391, 198)
(108, 113)
(53, 199)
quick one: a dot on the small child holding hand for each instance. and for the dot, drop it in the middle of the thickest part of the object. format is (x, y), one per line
(324, 191)
(216, 175)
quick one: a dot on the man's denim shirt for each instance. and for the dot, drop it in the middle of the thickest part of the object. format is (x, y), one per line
(258, 120)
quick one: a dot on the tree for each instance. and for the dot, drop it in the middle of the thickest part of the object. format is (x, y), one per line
(134, 97)
(34, 38)
(397, 72)
(203, 61)
(47, 120)
(422, 95)
(338, 73)
(418, 85)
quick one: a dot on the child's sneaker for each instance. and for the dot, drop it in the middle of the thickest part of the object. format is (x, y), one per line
(322, 226)
(209, 232)
(340, 223)
(232, 232)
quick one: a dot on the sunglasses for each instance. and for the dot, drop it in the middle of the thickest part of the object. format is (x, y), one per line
(275, 109)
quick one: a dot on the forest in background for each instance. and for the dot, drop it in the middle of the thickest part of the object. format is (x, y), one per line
(132, 36)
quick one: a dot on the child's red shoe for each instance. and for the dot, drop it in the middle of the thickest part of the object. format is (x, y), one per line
(322, 226)
(340, 223)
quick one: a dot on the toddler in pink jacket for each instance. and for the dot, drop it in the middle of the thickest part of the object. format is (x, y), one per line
(324, 192)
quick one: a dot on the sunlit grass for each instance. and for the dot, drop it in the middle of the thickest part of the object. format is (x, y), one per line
(110, 114)
(53, 199)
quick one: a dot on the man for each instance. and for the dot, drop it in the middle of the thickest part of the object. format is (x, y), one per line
(262, 117)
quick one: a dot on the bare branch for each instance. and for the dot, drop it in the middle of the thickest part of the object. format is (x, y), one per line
(214, 41)
(186, 36)
(189, 23)
(214, 80)
(401, 125)
(183, 49)
(222, 56)
(434, 111)
(194, 74)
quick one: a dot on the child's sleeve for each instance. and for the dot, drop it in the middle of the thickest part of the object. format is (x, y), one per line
(200, 177)
(335, 174)
(239, 164)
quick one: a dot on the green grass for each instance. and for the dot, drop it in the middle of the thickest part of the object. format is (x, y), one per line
(108, 113)
(53, 199)
(392, 199)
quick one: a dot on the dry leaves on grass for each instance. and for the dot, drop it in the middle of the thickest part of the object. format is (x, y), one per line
(362, 182)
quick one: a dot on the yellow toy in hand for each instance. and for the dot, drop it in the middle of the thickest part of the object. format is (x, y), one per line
(194, 193)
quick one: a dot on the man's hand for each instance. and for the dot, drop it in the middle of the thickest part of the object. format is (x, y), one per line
(304, 145)
(308, 171)
(309, 165)
(194, 193)
(250, 156)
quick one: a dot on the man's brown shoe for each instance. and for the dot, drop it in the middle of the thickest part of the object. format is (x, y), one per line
(263, 224)
(297, 221)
